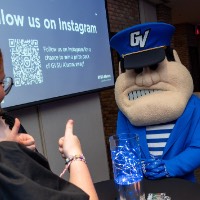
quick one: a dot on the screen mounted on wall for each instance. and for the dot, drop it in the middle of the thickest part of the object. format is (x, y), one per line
(54, 48)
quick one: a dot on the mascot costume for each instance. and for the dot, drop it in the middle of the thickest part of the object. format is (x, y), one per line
(154, 94)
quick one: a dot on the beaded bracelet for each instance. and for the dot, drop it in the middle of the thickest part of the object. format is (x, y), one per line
(76, 157)
(70, 159)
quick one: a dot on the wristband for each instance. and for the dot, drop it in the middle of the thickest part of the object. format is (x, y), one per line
(70, 159)
(73, 158)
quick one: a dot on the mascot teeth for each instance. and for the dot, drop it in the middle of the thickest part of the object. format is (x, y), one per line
(139, 93)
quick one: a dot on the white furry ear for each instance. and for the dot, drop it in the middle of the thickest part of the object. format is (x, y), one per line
(176, 57)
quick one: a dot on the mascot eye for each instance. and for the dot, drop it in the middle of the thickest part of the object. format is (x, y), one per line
(138, 71)
(153, 67)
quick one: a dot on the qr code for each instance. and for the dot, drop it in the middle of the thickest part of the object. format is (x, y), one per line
(26, 62)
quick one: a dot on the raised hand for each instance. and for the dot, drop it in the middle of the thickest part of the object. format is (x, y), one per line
(9, 120)
(69, 145)
(7, 133)
(22, 138)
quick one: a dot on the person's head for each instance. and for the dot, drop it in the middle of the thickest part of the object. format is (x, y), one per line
(154, 87)
(2, 76)
(5, 82)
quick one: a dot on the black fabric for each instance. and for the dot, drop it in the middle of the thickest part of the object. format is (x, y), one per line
(25, 174)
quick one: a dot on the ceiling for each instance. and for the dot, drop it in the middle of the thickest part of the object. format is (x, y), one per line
(183, 11)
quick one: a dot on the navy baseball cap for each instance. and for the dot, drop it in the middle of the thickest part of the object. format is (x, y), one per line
(143, 44)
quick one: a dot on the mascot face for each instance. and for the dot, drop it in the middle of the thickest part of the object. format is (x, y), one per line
(152, 90)
(154, 96)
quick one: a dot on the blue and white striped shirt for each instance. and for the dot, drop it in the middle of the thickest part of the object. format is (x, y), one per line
(157, 137)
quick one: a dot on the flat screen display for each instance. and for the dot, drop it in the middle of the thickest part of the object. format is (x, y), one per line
(54, 49)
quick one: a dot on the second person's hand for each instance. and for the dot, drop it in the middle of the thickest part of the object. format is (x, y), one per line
(69, 145)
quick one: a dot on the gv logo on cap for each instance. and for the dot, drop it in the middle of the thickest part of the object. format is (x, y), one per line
(138, 39)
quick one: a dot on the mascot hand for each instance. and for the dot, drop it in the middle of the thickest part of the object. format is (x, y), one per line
(154, 168)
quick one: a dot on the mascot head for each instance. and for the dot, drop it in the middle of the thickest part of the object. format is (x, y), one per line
(153, 86)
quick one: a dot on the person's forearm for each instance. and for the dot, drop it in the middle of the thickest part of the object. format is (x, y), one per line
(80, 176)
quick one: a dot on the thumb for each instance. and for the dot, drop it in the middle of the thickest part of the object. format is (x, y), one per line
(69, 128)
(15, 129)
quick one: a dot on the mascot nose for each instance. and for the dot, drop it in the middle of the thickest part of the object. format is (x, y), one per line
(147, 77)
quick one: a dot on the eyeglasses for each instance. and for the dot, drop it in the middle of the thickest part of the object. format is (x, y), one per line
(7, 84)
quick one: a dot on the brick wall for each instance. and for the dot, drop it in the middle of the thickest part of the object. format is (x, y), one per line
(186, 44)
(122, 14)
(181, 43)
(163, 13)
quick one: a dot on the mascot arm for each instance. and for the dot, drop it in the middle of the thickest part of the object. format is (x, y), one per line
(187, 160)
(184, 163)
(122, 126)
(180, 165)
